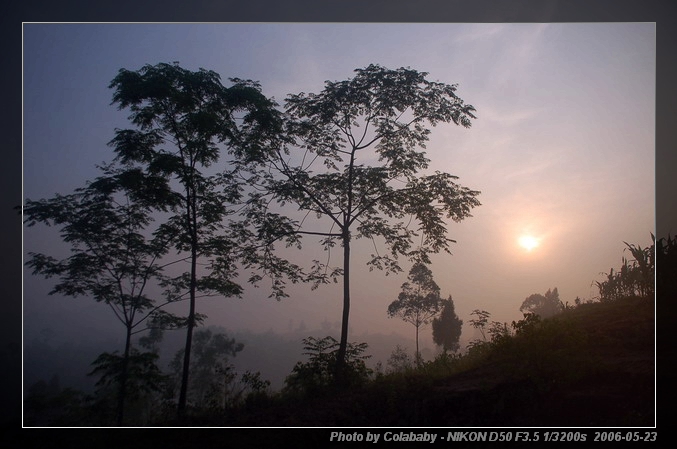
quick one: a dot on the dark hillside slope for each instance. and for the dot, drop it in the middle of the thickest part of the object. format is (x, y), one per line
(592, 366)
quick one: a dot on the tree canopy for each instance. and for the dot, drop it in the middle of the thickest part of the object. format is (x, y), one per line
(196, 195)
(447, 327)
(184, 123)
(114, 256)
(544, 306)
(351, 157)
(211, 372)
(419, 302)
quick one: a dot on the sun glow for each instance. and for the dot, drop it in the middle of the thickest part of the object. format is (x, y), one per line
(528, 242)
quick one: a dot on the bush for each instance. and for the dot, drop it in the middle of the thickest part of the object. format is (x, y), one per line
(399, 361)
(317, 374)
(545, 350)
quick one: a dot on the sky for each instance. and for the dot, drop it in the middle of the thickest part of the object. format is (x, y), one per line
(562, 151)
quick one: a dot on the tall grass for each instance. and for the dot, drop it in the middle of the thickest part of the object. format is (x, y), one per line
(635, 277)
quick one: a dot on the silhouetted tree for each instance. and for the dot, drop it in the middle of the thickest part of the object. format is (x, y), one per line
(142, 376)
(351, 157)
(182, 120)
(399, 360)
(211, 374)
(419, 301)
(544, 306)
(112, 260)
(447, 327)
(480, 323)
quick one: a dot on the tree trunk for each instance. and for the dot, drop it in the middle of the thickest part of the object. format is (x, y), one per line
(192, 226)
(186, 355)
(123, 377)
(418, 354)
(343, 345)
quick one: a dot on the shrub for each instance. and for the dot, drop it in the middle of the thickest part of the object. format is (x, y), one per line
(399, 361)
(317, 374)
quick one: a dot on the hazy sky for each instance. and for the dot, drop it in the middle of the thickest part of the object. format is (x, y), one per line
(562, 150)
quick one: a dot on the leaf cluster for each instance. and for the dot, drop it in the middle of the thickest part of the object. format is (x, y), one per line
(636, 276)
(544, 306)
(210, 372)
(419, 301)
(447, 327)
(368, 133)
(142, 374)
(185, 122)
(113, 256)
(317, 373)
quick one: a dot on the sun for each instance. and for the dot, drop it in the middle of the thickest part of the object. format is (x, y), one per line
(528, 242)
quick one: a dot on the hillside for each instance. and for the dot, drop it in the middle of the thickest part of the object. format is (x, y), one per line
(591, 366)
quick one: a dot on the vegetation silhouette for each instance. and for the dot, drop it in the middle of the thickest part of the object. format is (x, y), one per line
(211, 373)
(592, 364)
(544, 306)
(351, 156)
(111, 261)
(316, 375)
(211, 163)
(447, 327)
(636, 276)
(419, 302)
(182, 121)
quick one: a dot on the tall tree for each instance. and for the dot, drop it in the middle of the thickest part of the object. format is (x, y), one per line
(447, 327)
(352, 157)
(419, 301)
(185, 122)
(113, 259)
(544, 306)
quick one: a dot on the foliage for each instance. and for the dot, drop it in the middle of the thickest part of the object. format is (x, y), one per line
(548, 349)
(533, 347)
(350, 156)
(636, 276)
(499, 331)
(419, 302)
(144, 374)
(480, 322)
(317, 374)
(48, 404)
(144, 383)
(544, 350)
(534, 373)
(526, 324)
(181, 118)
(399, 361)
(544, 306)
(255, 389)
(478, 349)
(443, 365)
(212, 377)
(564, 370)
(113, 259)
(447, 327)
